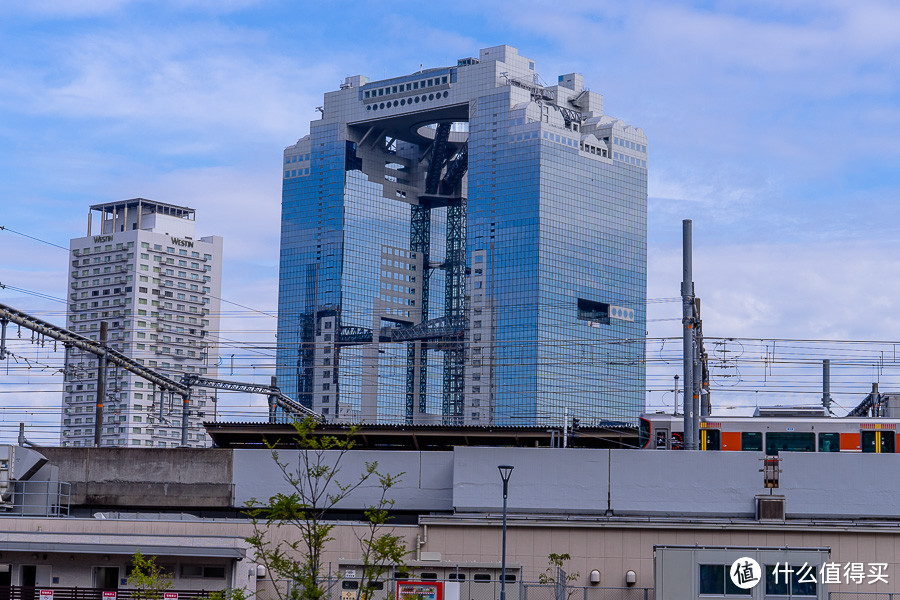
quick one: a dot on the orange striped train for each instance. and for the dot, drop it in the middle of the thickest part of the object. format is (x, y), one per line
(776, 429)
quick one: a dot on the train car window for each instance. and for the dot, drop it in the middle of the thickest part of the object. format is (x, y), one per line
(710, 439)
(751, 441)
(790, 441)
(662, 439)
(829, 442)
(878, 441)
(643, 433)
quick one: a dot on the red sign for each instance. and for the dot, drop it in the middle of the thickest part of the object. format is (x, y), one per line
(111, 595)
(420, 590)
(171, 595)
(46, 594)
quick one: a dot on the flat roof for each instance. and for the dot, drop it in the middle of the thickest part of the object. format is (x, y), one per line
(423, 437)
(122, 549)
(160, 207)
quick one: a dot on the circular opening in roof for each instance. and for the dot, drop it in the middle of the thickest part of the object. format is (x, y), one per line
(459, 131)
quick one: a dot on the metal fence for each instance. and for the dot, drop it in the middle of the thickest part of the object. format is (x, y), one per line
(863, 596)
(20, 592)
(471, 589)
(534, 591)
(41, 499)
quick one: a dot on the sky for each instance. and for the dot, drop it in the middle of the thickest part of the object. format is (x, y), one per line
(774, 126)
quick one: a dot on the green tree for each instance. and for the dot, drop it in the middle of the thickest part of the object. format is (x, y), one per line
(229, 594)
(380, 551)
(147, 578)
(314, 489)
(555, 574)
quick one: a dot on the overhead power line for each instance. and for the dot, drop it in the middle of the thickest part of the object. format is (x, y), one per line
(31, 237)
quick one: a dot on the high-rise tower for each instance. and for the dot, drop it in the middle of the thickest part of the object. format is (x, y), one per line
(467, 245)
(142, 272)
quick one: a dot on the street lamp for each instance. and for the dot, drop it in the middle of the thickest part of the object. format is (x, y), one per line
(505, 472)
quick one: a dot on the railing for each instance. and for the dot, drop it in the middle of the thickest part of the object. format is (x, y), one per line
(40, 499)
(19, 592)
(536, 591)
(472, 589)
(863, 596)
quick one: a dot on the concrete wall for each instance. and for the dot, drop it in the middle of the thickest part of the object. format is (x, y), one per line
(847, 485)
(466, 480)
(701, 484)
(544, 480)
(685, 483)
(425, 484)
(153, 477)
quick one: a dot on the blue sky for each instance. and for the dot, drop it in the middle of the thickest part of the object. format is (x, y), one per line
(774, 126)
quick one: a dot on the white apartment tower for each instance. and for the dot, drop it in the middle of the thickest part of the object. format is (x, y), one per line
(157, 286)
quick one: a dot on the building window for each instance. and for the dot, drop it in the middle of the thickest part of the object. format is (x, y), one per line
(715, 581)
(202, 572)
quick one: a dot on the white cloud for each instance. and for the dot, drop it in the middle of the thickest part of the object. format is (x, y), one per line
(823, 291)
(70, 9)
(205, 78)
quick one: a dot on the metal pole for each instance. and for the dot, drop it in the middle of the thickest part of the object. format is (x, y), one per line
(566, 427)
(826, 384)
(185, 413)
(3, 324)
(702, 381)
(273, 413)
(101, 385)
(503, 552)
(695, 399)
(676, 393)
(687, 299)
(505, 472)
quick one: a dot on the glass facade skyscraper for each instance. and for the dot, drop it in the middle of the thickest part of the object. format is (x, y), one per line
(465, 245)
